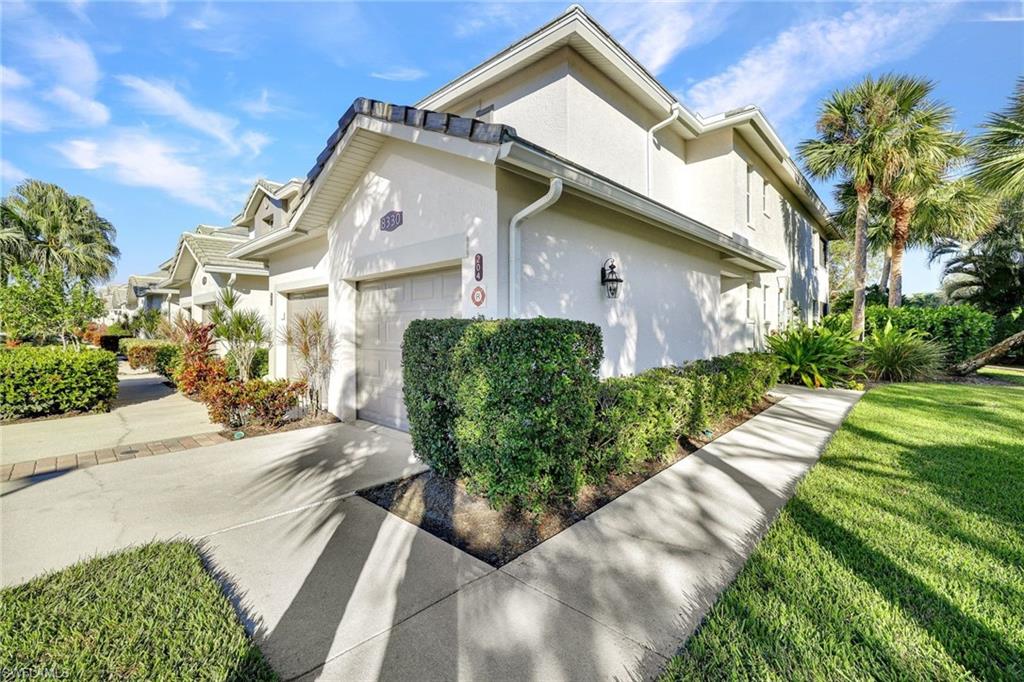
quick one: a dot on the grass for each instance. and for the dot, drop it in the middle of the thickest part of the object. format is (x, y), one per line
(152, 612)
(1012, 374)
(899, 557)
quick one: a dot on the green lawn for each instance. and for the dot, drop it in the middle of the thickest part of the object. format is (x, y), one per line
(147, 613)
(901, 556)
(1011, 374)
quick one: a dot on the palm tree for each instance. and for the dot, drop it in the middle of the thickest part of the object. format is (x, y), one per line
(57, 230)
(854, 130)
(948, 209)
(999, 165)
(921, 150)
(989, 272)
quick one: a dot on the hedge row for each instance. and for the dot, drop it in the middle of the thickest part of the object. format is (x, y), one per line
(641, 418)
(155, 355)
(37, 381)
(516, 408)
(508, 404)
(111, 342)
(963, 329)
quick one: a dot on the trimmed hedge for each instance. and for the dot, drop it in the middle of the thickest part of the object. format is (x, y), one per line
(156, 355)
(640, 418)
(509, 404)
(427, 350)
(963, 329)
(111, 342)
(36, 381)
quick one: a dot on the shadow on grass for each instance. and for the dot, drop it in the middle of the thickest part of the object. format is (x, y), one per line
(973, 645)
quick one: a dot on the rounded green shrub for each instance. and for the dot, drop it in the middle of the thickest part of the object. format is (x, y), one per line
(36, 381)
(526, 392)
(891, 354)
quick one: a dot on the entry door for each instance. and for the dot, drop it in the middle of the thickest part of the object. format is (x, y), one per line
(384, 310)
(299, 303)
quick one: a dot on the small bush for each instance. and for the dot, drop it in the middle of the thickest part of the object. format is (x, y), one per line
(167, 360)
(964, 330)
(814, 356)
(427, 350)
(192, 378)
(111, 342)
(638, 419)
(260, 364)
(895, 355)
(267, 403)
(37, 381)
(142, 353)
(525, 391)
(736, 382)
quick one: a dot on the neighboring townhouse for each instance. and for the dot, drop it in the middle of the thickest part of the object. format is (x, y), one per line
(119, 303)
(528, 186)
(201, 267)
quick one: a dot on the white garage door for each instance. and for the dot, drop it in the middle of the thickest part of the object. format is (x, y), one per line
(384, 310)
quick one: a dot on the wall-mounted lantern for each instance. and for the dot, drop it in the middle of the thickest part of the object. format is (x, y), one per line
(610, 279)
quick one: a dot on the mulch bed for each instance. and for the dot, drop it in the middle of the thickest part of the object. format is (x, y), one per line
(253, 430)
(444, 508)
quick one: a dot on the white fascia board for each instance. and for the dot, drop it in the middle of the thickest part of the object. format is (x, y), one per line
(593, 186)
(450, 144)
(237, 270)
(259, 245)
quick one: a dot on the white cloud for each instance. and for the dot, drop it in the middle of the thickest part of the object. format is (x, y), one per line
(138, 159)
(20, 115)
(162, 98)
(400, 73)
(781, 75)
(154, 9)
(1014, 14)
(72, 62)
(254, 142)
(87, 111)
(11, 174)
(481, 17)
(262, 105)
(12, 79)
(656, 32)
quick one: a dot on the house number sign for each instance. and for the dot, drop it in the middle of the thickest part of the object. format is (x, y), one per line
(478, 266)
(391, 221)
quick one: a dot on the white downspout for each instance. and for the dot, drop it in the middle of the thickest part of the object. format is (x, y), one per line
(674, 111)
(552, 195)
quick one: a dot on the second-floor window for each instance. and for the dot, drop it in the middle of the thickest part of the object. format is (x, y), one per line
(823, 243)
(764, 197)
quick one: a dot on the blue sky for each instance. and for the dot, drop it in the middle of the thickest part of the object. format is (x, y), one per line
(164, 113)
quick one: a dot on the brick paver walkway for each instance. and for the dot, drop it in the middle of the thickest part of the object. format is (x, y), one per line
(49, 465)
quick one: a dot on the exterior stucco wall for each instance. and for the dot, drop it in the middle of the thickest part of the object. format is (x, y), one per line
(668, 310)
(449, 210)
(301, 267)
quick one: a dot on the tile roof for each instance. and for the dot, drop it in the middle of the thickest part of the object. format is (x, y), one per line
(213, 250)
(435, 121)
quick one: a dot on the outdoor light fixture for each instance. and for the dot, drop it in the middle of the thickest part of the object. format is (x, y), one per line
(610, 279)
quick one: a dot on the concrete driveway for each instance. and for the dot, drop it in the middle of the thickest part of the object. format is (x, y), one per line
(334, 588)
(146, 409)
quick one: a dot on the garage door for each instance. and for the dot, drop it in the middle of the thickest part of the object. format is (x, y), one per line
(384, 310)
(299, 303)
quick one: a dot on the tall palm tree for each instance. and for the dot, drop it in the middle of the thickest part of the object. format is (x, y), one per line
(999, 164)
(946, 210)
(57, 230)
(922, 149)
(854, 131)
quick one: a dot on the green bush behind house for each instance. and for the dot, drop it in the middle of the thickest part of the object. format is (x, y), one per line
(963, 329)
(36, 381)
(156, 355)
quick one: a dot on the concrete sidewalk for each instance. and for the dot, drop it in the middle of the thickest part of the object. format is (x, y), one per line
(49, 522)
(371, 597)
(145, 410)
(333, 587)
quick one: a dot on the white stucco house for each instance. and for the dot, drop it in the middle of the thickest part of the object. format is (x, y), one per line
(201, 267)
(511, 190)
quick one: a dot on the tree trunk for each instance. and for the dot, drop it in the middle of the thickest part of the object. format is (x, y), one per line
(860, 259)
(989, 354)
(902, 211)
(883, 281)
